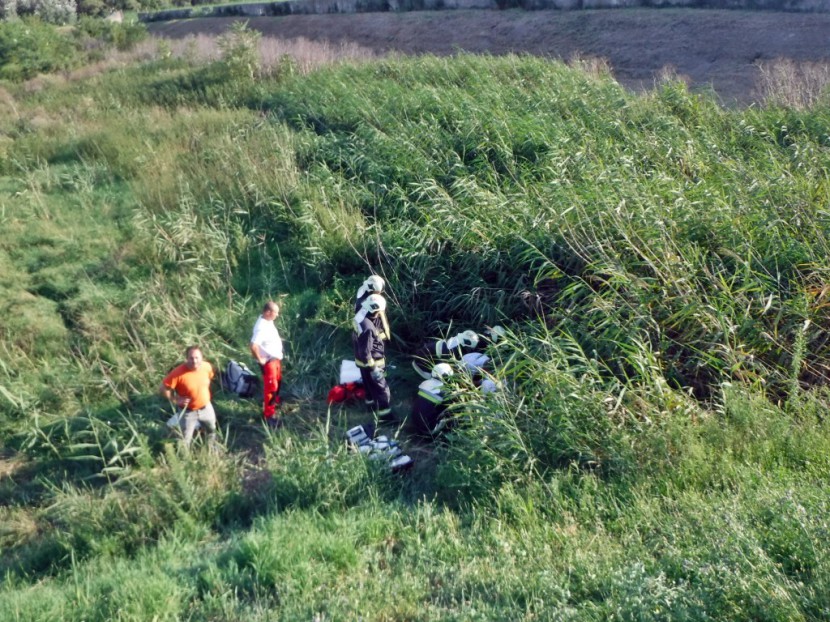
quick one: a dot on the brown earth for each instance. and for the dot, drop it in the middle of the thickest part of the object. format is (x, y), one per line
(715, 49)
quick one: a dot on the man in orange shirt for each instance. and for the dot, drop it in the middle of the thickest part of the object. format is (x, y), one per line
(191, 383)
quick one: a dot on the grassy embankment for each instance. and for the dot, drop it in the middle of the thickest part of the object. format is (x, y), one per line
(659, 449)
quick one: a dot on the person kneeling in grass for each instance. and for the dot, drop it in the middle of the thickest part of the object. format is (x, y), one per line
(190, 382)
(430, 403)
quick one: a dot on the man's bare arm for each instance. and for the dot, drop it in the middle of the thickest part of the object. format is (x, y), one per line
(257, 354)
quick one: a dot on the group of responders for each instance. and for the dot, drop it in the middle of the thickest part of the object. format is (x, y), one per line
(431, 361)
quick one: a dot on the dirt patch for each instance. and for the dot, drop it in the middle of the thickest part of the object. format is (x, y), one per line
(710, 48)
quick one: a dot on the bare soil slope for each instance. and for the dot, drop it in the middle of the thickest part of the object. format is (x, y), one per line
(711, 48)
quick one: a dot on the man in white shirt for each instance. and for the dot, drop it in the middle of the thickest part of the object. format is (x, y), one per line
(266, 346)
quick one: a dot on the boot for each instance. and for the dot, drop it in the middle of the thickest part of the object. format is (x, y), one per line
(386, 416)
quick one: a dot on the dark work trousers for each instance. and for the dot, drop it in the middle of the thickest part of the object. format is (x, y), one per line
(376, 390)
(425, 415)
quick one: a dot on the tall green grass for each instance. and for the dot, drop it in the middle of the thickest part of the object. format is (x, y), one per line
(658, 449)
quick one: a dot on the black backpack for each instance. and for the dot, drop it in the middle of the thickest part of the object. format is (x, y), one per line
(237, 378)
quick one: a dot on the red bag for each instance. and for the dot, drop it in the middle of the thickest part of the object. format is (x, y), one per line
(337, 394)
(344, 392)
(355, 391)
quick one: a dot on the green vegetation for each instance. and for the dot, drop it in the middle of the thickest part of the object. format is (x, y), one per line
(659, 449)
(30, 47)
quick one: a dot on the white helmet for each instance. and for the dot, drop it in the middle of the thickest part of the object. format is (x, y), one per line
(467, 339)
(374, 303)
(441, 370)
(374, 284)
(495, 333)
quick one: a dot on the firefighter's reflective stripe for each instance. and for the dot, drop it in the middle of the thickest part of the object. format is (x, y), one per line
(431, 397)
(430, 390)
(371, 363)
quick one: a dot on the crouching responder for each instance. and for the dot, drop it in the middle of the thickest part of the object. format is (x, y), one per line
(435, 351)
(476, 364)
(369, 356)
(428, 407)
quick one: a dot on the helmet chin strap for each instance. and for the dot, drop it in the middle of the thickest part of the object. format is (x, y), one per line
(386, 330)
(361, 315)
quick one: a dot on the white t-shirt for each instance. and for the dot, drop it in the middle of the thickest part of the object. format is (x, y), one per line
(267, 338)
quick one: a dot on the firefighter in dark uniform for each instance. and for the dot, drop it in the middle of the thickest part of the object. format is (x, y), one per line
(369, 355)
(428, 405)
(477, 361)
(374, 285)
(438, 350)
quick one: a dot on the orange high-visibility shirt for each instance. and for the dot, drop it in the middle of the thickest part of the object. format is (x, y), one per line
(192, 383)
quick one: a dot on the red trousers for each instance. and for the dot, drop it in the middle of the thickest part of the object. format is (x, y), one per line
(271, 379)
